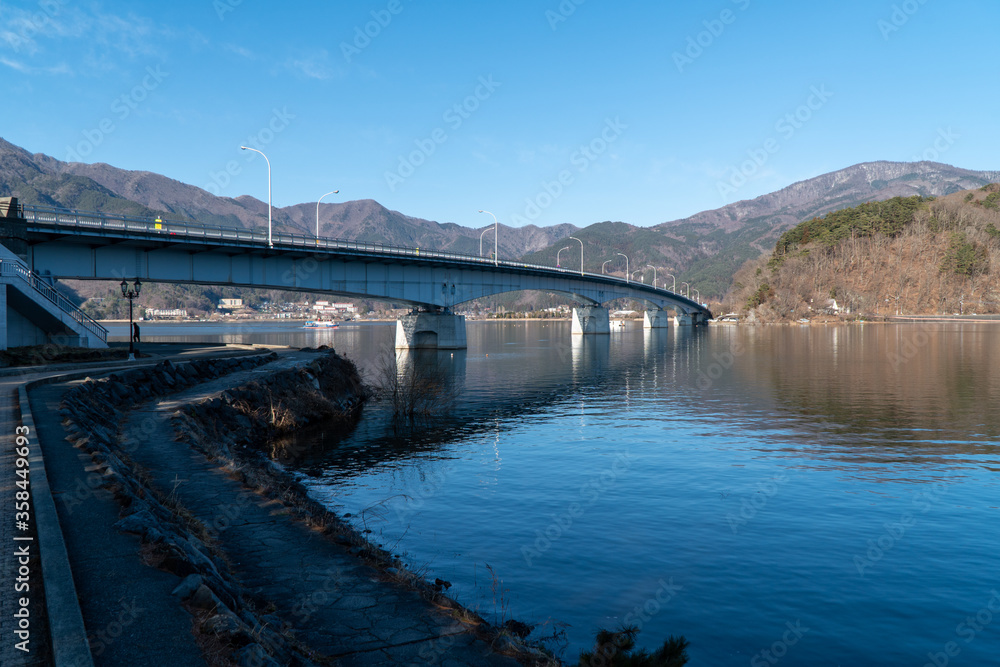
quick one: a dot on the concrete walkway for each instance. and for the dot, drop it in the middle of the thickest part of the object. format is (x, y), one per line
(70, 472)
(336, 605)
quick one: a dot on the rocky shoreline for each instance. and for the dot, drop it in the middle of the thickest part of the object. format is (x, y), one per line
(242, 429)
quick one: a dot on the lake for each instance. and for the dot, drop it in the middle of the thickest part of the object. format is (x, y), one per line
(802, 495)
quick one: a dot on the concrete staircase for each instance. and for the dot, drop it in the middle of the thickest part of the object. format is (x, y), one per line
(35, 313)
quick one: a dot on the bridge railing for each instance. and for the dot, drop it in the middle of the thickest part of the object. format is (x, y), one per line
(10, 268)
(153, 227)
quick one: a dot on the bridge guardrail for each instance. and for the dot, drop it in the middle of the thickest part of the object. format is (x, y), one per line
(158, 227)
(17, 270)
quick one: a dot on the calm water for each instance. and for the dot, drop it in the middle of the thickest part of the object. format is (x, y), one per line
(826, 494)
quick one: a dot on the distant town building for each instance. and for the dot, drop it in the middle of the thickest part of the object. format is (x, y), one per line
(166, 312)
(334, 308)
(230, 304)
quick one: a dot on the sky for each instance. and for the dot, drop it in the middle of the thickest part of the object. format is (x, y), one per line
(544, 112)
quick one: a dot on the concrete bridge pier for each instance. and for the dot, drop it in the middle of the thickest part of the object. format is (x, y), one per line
(691, 319)
(655, 319)
(591, 320)
(431, 331)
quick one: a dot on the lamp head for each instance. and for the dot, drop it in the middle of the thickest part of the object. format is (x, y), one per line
(124, 286)
(137, 286)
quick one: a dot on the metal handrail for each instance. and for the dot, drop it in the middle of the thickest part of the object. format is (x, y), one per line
(17, 269)
(157, 228)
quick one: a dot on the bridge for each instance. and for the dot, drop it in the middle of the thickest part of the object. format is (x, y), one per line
(66, 244)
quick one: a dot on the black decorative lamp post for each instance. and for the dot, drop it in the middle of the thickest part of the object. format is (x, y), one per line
(130, 294)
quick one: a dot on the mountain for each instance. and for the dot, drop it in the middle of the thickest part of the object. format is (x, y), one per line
(707, 248)
(704, 250)
(40, 179)
(906, 255)
(718, 242)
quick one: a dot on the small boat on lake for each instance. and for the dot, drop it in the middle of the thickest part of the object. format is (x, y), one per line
(320, 324)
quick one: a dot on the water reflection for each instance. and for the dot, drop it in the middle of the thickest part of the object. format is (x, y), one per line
(814, 438)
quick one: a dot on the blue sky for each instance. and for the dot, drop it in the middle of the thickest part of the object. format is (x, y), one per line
(548, 112)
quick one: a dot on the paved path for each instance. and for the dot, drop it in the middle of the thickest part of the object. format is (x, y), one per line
(337, 605)
(70, 471)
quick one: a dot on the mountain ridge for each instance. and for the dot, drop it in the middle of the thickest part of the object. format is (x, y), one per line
(706, 248)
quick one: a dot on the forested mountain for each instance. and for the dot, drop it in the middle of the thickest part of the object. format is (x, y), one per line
(907, 255)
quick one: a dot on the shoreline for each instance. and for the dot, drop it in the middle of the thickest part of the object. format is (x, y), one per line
(225, 423)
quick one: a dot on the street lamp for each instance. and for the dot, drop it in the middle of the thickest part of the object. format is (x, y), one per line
(650, 266)
(247, 148)
(581, 253)
(673, 286)
(130, 294)
(697, 294)
(688, 295)
(626, 264)
(317, 212)
(481, 240)
(641, 277)
(557, 256)
(605, 264)
(496, 239)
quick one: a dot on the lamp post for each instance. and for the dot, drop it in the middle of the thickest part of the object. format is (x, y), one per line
(558, 265)
(317, 212)
(697, 294)
(130, 294)
(626, 264)
(673, 286)
(605, 264)
(688, 295)
(642, 278)
(247, 148)
(496, 239)
(650, 266)
(481, 241)
(581, 253)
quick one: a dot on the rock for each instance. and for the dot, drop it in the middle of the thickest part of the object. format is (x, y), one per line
(221, 624)
(518, 628)
(204, 598)
(138, 523)
(188, 586)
